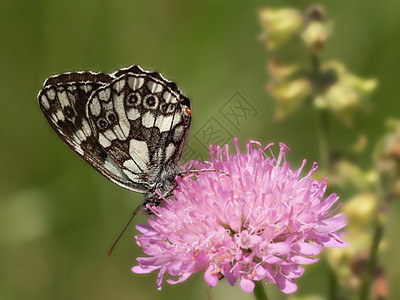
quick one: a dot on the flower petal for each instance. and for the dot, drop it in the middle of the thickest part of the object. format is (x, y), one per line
(332, 224)
(181, 279)
(210, 278)
(286, 285)
(280, 248)
(247, 284)
(307, 248)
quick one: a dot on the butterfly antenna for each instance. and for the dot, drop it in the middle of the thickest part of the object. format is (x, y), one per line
(126, 226)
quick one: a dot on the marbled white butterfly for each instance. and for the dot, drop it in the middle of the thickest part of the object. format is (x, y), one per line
(129, 125)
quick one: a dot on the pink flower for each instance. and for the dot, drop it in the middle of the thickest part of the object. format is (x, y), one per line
(252, 219)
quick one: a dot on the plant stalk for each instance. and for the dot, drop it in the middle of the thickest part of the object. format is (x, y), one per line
(324, 141)
(323, 117)
(372, 260)
(369, 271)
(259, 291)
(324, 151)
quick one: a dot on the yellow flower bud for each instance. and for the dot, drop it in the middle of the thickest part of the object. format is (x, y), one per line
(279, 25)
(347, 173)
(279, 71)
(359, 85)
(360, 209)
(387, 151)
(342, 100)
(346, 93)
(315, 35)
(290, 95)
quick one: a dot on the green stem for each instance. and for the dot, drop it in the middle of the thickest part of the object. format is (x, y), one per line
(371, 264)
(333, 285)
(323, 115)
(368, 275)
(259, 291)
(324, 151)
(324, 140)
(316, 71)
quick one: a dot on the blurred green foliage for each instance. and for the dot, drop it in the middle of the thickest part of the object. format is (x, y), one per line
(58, 217)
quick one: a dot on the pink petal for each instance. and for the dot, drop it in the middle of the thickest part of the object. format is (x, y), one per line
(160, 278)
(181, 279)
(211, 279)
(301, 260)
(246, 284)
(269, 274)
(326, 204)
(272, 259)
(331, 241)
(307, 248)
(178, 268)
(286, 285)
(144, 269)
(332, 224)
(292, 271)
(280, 248)
(146, 229)
(260, 273)
(226, 271)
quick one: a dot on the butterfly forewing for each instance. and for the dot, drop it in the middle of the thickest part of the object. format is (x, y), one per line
(130, 125)
(63, 102)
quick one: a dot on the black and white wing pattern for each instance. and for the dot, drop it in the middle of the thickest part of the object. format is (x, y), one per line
(130, 125)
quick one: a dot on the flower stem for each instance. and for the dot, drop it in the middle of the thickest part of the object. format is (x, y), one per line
(333, 285)
(316, 71)
(378, 233)
(371, 264)
(259, 291)
(324, 152)
(323, 114)
(324, 140)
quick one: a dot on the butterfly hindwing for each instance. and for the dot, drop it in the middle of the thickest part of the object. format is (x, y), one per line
(63, 102)
(140, 119)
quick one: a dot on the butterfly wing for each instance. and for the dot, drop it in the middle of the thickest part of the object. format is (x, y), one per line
(63, 102)
(141, 119)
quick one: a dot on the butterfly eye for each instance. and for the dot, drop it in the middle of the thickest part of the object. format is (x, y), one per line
(111, 117)
(150, 102)
(133, 99)
(102, 123)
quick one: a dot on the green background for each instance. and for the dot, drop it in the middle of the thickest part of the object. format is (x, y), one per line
(58, 217)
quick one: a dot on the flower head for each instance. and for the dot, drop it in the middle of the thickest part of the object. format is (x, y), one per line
(244, 216)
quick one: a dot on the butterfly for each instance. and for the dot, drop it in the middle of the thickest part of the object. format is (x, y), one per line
(130, 125)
